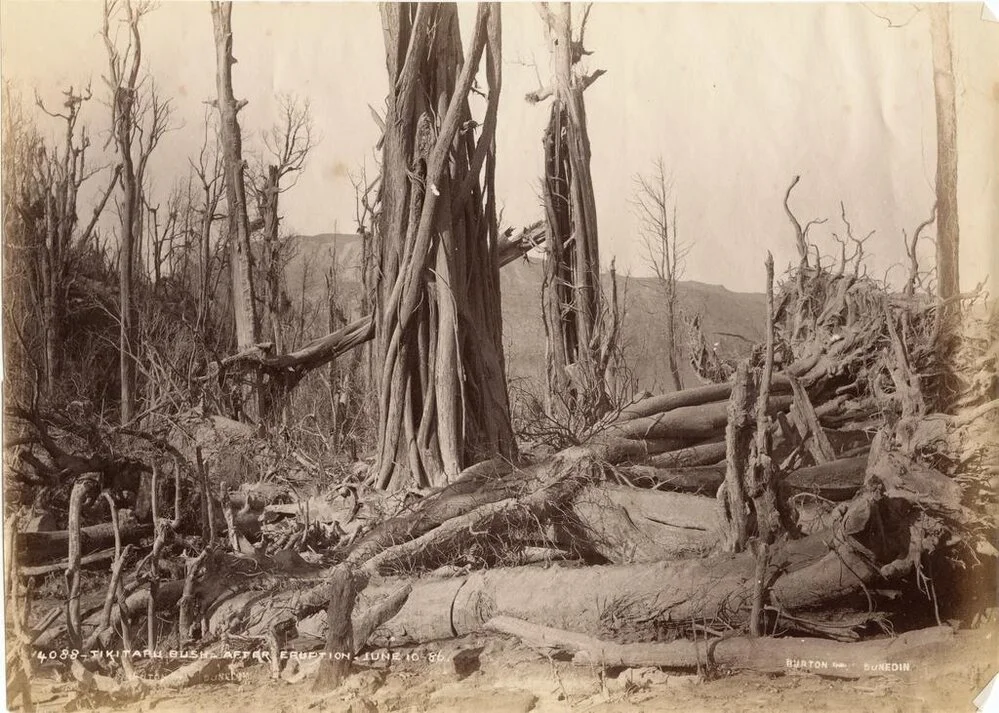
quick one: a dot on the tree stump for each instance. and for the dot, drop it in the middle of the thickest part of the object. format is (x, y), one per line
(335, 665)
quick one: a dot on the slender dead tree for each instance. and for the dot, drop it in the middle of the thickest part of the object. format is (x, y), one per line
(288, 145)
(443, 402)
(571, 296)
(948, 281)
(210, 174)
(163, 230)
(240, 255)
(663, 253)
(139, 118)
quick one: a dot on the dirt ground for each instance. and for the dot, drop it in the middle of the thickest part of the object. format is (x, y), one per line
(495, 674)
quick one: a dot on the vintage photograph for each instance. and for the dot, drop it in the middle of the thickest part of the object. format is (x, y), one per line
(415, 357)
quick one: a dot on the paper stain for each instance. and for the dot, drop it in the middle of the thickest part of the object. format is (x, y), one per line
(337, 169)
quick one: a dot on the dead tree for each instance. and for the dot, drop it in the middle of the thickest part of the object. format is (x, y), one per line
(664, 255)
(240, 255)
(571, 297)
(58, 174)
(210, 174)
(948, 282)
(288, 144)
(139, 118)
(163, 230)
(442, 401)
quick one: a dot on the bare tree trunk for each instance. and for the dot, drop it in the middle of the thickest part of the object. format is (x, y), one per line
(272, 256)
(128, 334)
(663, 252)
(571, 291)
(135, 137)
(948, 283)
(241, 258)
(442, 390)
(674, 369)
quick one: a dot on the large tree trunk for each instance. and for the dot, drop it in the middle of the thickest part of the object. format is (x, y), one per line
(442, 391)
(240, 255)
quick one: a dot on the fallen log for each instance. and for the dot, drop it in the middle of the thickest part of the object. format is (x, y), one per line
(42, 547)
(85, 561)
(626, 525)
(703, 480)
(694, 423)
(909, 654)
(703, 454)
(697, 396)
(637, 602)
(837, 480)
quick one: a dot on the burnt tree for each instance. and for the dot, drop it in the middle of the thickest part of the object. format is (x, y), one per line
(442, 398)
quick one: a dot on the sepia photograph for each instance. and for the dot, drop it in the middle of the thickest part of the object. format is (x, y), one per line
(408, 357)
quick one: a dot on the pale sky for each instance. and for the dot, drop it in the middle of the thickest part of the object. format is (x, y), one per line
(735, 98)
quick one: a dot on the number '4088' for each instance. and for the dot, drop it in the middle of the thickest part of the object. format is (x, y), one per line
(61, 655)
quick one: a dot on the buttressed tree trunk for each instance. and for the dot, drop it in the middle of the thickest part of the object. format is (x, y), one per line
(247, 322)
(577, 347)
(443, 403)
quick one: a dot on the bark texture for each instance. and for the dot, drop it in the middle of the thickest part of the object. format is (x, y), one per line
(948, 283)
(579, 346)
(443, 403)
(240, 255)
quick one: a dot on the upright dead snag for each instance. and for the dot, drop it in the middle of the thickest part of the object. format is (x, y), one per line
(288, 144)
(443, 402)
(335, 666)
(240, 256)
(139, 118)
(732, 497)
(748, 497)
(948, 283)
(571, 297)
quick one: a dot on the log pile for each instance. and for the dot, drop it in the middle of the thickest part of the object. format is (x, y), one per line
(614, 550)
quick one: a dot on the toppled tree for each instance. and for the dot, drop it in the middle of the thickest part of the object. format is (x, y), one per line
(139, 118)
(579, 344)
(664, 255)
(443, 402)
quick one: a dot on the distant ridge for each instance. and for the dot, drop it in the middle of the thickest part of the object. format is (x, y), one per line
(732, 319)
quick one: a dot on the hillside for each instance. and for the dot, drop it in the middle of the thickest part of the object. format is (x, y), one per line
(732, 319)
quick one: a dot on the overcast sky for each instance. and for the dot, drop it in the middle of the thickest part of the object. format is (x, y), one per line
(735, 98)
